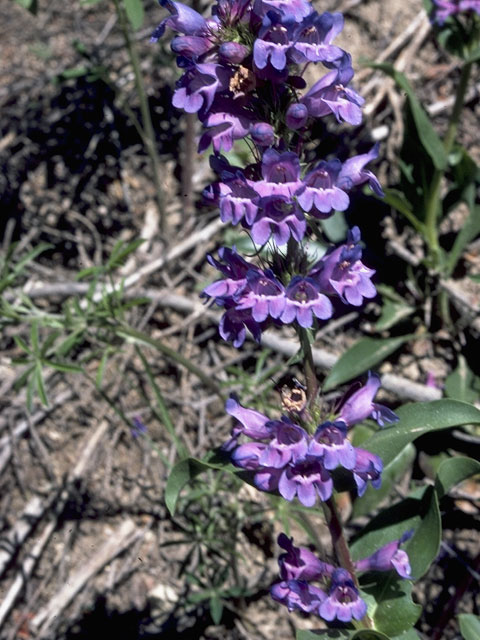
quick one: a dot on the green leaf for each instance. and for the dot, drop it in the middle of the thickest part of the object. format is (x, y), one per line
(335, 227)
(391, 474)
(187, 470)
(411, 634)
(216, 609)
(399, 202)
(64, 367)
(453, 471)
(416, 419)
(392, 314)
(470, 230)
(459, 384)
(134, 11)
(469, 626)
(395, 611)
(363, 355)
(427, 134)
(40, 385)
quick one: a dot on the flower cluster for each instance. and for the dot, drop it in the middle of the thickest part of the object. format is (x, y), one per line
(284, 457)
(444, 9)
(337, 596)
(253, 298)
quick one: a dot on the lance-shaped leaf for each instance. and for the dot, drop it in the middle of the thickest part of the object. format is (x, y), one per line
(416, 419)
(469, 626)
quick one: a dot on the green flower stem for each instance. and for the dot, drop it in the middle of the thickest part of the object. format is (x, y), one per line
(149, 133)
(171, 354)
(309, 367)
(433, 201)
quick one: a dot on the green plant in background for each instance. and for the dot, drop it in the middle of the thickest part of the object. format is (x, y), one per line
(437, 174)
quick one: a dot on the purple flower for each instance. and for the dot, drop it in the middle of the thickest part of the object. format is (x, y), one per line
(273, 42)
(190, 47)
(233, 52)
(305, 479)
(280, 217)
(314, 36)
(331, 95)
(226, 121)
(368, 466)
(330, 443)
(263, 294)
(343, 601)
(280, 173)
(234, 267)
(183, 19)
(234, 323)
(262, 134)
(197, 87)
(254, 424)
(289, 443)
(320, 194)
(361, 406)
(296, 116)
(388, 557)
(247, 455)
(297, 595)
(303, 301)
(238, 200)
(444, 9)
(289, 9)
(353, 174)
(299, 563)
(138, 428)
(341, 271)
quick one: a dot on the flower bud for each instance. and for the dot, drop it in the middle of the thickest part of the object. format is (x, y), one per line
(296, 116)
(233, 52)
(262, 133)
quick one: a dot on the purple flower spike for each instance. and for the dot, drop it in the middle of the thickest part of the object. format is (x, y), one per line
(306, 479)
(330, 443)
(183, 19)
(388, 557)
(314, 36)
(361, 406)
(280, 217)
(303, 301)
(263, 294)
(368, 466)
(331, 95)
(296, 116)
(353, 173)
(297, 595)
(343, 601)
(299, 563)
(288, 444)
(321, 195)
(254, 423)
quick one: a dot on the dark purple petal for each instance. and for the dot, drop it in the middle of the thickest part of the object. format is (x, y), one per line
(183, 19)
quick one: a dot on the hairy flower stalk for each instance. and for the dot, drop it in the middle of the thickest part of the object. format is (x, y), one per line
(242, 74)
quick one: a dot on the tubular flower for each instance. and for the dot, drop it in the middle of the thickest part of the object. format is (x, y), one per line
(388, 557)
